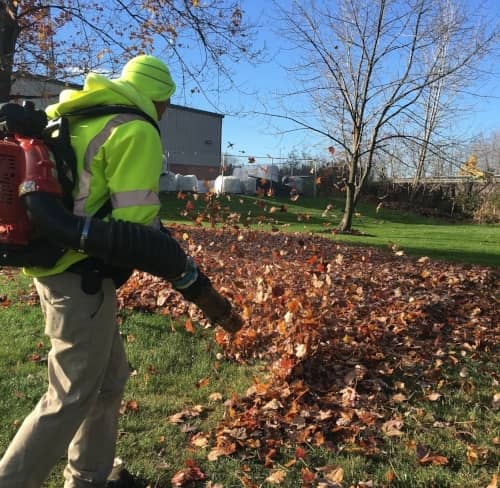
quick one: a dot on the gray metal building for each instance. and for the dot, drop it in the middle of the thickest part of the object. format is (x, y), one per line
(192, 141)
(191, 138)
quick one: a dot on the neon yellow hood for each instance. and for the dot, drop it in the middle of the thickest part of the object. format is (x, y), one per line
(98, 90)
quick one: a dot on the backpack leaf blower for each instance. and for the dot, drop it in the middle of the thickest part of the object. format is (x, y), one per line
(31, 209)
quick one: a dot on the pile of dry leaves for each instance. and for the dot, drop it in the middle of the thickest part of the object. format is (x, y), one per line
(344, 330)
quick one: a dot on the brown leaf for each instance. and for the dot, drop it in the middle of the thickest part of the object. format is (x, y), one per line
(300, 453)
(495, 404)
(335, 475)
(276, 477)
(433, 397)
(186, 476)
(192, 412)
(203, 383)
(493, 482)
(224, 447)
(215, 397)
(427, 457)
(392, 428)
(199, 440)
(307, 476)
(399, 398)
(472, 455)
(130, 406)
(390, 476)
(188, 325)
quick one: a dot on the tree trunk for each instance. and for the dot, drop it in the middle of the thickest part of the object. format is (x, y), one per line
(418, 173)
(422, 158)
(345, 224)
(9, 30)
(365, 173)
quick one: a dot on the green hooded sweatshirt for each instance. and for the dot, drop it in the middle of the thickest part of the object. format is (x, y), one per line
(119, 157)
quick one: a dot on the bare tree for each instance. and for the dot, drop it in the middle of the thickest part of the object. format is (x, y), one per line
(365, 65)
(431, 111)
(67, 38)
(486, 147)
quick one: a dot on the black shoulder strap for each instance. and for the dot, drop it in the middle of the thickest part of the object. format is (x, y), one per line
(98, 110)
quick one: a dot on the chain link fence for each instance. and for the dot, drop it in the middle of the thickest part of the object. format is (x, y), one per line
(282, 176)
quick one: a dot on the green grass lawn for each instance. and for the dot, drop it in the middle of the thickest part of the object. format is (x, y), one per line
(413, 234)
(177, 371)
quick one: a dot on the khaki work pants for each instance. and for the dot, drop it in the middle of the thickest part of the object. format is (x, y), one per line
(87, 372)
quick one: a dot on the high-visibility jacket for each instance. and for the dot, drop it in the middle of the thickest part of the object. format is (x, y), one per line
(119, 158)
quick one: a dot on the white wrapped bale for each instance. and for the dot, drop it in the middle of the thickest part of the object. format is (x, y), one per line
(168, 182)
(218, 184)
(249, 185)
(227, 184)
(231, 184)
(187, 183)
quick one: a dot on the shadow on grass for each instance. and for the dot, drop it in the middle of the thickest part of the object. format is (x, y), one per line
(485, 258)
(473, 257)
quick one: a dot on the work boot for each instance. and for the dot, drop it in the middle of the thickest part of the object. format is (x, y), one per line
(121, 478)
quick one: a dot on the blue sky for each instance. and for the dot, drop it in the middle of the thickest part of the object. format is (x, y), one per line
(254, 135)
(258, 135)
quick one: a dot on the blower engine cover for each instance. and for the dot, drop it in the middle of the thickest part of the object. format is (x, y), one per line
(14, 223)
(25, 167)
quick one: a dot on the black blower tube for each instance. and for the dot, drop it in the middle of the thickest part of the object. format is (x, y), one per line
(119, 243)
(129, 245)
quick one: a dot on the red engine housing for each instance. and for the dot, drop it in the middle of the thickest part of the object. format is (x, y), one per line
(26, 166)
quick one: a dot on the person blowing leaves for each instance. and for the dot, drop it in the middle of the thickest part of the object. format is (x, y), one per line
(119, 160)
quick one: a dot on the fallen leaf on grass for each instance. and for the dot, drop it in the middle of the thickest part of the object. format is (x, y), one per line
(192, 412)
(425, 457)
(225, 447)
(476, 454)
(390, 476)
(333, 474)
(215, 397)
(300, 453)
(307, 476)
(203, 383)
(493, 482)
(35, 358)
(433, 397)
(399, 398)
(391, 428)
(199, 440)
(496, 401)
(276, 477)
(434, 459)
(186, 476)
(130, 406)
(188, 325)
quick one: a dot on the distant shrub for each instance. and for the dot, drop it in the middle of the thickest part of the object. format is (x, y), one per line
(488, 212)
